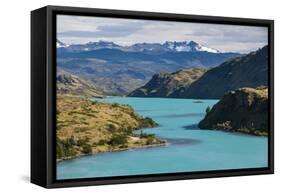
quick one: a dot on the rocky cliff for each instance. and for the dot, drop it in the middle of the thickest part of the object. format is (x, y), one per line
(244, 110)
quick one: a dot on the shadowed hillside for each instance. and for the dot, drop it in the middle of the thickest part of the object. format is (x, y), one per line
(244, 110)
(169, 84)
(247, 71)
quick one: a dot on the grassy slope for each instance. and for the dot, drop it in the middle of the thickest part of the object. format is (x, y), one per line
(85, 127)
(169, 84)
(71, 84)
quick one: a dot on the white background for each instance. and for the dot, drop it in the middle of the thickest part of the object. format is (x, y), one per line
(15, 95)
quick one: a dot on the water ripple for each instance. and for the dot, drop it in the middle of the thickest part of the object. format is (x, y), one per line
(192, 126)
(182, 141)
(180, 115)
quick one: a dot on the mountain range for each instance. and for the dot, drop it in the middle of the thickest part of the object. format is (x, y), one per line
(118, 70)
(168, 46)
(245, 71)
(61, 44)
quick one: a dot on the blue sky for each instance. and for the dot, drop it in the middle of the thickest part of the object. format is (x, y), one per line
(81, 29)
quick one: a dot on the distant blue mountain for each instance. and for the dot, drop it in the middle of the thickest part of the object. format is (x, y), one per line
(121, 69)
(61, 44)
(168, 46)
(183, 59)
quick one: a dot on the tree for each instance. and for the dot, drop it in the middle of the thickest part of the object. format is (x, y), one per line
(87, 149)
(208, 110)
(118, 139)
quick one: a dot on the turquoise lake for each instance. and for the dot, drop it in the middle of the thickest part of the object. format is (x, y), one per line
(189, 148)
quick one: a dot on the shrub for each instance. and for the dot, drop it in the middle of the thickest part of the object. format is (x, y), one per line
(123, 146)
(149, 140)
(118, 139)
(111, 127)
(102, 142)
(82, 142)
(147, 122)
(59, 150)
(70, 141)
(65, 148)
(146, 135)
(93, 102)
(81, 129)
(86, 149)
(115, 105)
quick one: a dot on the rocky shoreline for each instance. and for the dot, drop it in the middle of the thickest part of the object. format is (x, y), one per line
(164, 143)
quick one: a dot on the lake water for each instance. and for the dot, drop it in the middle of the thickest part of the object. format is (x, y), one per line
(189, 149)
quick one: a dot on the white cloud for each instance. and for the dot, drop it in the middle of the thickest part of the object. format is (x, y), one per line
(81, 29)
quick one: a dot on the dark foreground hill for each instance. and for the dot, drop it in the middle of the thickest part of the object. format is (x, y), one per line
(244, 110)
(250, 70)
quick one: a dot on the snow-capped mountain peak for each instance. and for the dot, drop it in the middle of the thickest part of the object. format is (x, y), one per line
(188, 47)
(199, 47)
(168, 46)
(61, 44)
(102, 43)
(177, 46)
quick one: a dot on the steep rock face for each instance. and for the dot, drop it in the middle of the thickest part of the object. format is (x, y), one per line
(169, 84)
(71, 84)
(244, 110)
(250, 70)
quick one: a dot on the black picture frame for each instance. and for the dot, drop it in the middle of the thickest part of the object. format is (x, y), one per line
(43, 96)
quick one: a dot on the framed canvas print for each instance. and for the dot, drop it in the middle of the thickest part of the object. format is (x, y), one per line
(125, 96)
